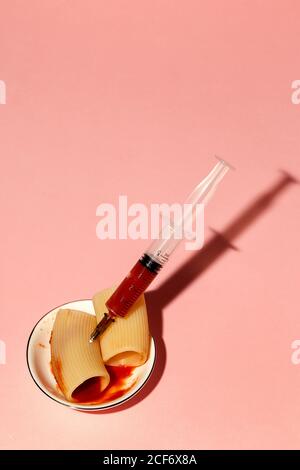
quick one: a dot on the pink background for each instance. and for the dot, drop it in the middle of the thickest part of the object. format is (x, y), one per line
(135, 97)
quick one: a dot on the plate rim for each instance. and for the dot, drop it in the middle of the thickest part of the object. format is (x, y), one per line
(69, 405)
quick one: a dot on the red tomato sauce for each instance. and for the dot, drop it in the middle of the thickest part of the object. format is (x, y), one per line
(89, 391)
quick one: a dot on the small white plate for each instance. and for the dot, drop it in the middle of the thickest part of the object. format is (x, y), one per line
(39, 356)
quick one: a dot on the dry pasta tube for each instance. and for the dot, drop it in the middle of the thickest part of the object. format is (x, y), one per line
(73, 359)
(126, 341)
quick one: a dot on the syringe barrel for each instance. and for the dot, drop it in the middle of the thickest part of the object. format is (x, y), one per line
(133, 286)
(161, 249)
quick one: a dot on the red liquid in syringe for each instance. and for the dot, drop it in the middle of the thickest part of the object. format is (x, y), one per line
(134, 284)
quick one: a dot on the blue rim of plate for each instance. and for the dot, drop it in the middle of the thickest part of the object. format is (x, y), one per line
(71, 405)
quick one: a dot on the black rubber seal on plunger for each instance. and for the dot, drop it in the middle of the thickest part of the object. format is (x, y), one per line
(150, 263)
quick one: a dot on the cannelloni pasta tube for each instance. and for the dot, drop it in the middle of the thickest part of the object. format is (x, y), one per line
(126, 342)
(73, 359)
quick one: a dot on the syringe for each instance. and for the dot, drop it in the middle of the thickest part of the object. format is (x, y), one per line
(151, 262)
